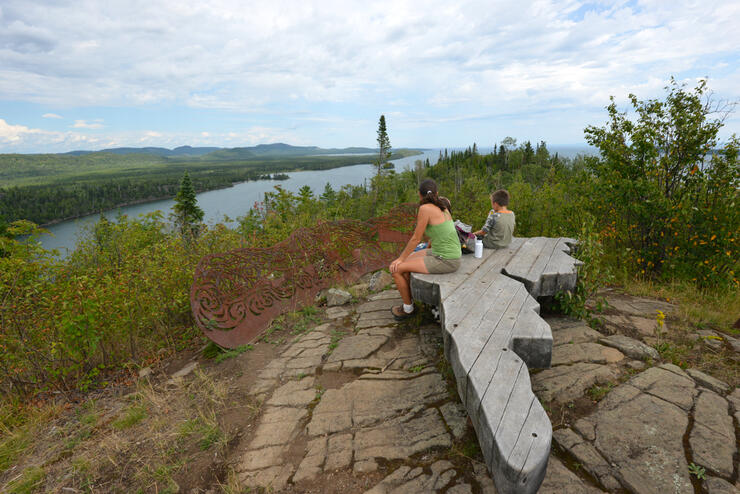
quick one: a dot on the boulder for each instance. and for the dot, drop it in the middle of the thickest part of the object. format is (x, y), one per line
(379, 280)
(335, 296)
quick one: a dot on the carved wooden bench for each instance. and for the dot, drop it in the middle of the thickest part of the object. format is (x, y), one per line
(492, 333)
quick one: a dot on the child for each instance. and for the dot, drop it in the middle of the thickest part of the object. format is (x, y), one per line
(500, 222)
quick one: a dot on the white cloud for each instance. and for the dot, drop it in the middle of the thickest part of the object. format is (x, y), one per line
(20, 138)
(84, 124)
(51, 115)
(12, 134)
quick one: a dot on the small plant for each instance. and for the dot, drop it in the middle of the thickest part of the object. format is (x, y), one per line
(592, 275)
(673, 353)
(207, 429)
(133, 416)
(660, 319)
(305, 318)
(597, 392)
(417, 368)
(227, 354)
(698, 471)
(336, 337)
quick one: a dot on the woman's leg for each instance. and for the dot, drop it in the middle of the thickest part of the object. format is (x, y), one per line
(412, 264)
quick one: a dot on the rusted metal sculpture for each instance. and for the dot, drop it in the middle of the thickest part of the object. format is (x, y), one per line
(236, 294)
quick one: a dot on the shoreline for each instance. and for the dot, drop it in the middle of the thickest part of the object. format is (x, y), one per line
(162, 198)
(145, 201)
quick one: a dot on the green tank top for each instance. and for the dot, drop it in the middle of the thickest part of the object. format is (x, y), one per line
(444, 240)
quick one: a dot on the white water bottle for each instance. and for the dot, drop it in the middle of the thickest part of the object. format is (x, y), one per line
(478, 248)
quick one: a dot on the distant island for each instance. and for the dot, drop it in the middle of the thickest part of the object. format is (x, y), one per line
(46, 188)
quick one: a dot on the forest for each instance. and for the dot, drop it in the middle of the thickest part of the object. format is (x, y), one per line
(46, 188)
(657, 207)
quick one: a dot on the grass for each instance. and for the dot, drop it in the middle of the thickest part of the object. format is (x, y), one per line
(138, 444)
(597, 393)
(675, 353)
(132, 416)
(18, 427)
(219, 354)
(28, 482)
(204, 428)
(714, 309)
(336, 337)
(297, 322)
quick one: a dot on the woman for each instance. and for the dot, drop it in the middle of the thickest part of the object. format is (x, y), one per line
(442, 254)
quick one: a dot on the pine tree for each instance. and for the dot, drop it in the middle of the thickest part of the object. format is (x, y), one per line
(187, 215)
(384, 143)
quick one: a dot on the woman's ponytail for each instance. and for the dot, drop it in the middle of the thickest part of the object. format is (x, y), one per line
(429, 195)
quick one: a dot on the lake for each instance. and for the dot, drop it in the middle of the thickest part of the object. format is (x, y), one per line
(231, 201)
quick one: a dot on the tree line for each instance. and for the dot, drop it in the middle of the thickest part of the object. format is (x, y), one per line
(656, 204)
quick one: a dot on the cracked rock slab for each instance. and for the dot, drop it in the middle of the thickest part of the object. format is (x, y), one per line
(402, 438)
(587, 456)
(294, 394)
(357, 347)
(712, 438)
(708, 381)
(631, 347)
(574, 334)
(641, 434)
(405, 480)
(716, 485)
(560, 480)
(567, 382)
(278, 426)
(375, 399)
(456, 418)
(585, 352)
(669, 383)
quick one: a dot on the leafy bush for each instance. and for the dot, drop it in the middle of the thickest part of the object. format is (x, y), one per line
(121, 296)
(666, 199)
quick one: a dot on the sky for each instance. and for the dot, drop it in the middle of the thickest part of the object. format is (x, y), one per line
(88, 74)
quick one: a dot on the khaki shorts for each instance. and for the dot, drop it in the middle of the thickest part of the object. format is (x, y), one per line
(440, 265)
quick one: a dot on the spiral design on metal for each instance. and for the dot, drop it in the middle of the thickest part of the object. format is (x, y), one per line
(236, 294)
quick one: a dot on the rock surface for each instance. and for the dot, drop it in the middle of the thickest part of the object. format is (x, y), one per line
(631, 347)
(566, 383)
(370, 402)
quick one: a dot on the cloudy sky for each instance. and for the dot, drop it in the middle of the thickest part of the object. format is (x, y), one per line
(90, 74)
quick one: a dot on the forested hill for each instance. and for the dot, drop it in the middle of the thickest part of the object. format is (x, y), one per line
(182, 151)
(263, 150)
(46, 187)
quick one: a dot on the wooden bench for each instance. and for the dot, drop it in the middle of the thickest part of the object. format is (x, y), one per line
(492, 333)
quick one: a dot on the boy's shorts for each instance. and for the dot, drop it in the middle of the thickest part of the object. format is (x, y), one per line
(440, 265)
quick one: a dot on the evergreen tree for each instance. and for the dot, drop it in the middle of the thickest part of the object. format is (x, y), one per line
(187, 215)
(329, 195)
(384, 144)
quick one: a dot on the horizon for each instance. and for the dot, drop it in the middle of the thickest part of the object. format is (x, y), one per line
(549, 146)
(89, 76)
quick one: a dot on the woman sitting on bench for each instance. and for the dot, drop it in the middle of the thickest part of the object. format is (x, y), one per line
(442, 254)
